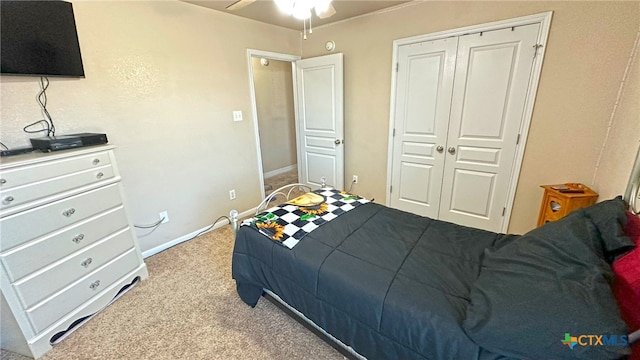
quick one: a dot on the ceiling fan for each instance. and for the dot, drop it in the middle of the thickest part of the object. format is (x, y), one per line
(300, 9)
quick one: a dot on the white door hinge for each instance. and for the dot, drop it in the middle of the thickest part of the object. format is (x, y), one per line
(535, 51)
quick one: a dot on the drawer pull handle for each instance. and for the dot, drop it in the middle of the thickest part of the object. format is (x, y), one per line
(87, 262)
(555, 207)
(94, 285)
(7, 200)
(96, 161)
(76, 239)
(69, 212)
(99, 175)
(3, 181)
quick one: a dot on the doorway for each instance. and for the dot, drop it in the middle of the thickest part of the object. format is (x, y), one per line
(272, 91)
(318, 118)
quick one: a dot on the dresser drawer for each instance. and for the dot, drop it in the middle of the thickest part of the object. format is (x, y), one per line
(33, 191)
(37, 172)
(32, 290)
(22, 261)
(28, 225)
(54, 308)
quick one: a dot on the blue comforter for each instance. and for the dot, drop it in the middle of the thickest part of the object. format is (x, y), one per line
(392, 285)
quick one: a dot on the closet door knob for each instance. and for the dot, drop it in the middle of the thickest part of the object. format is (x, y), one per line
(451, 150)
(440, 148)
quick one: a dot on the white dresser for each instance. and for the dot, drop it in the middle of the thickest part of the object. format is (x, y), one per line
(66, 245)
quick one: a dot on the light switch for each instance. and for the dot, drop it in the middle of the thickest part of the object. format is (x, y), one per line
(237, 115)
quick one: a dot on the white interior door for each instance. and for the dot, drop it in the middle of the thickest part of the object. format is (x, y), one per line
(423, 98)
(489, 96)
(320, 120)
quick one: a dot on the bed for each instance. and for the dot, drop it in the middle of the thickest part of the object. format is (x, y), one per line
(386, 284)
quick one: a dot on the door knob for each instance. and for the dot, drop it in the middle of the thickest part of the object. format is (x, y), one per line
(440, 148)
(338, 141)
(451, 150)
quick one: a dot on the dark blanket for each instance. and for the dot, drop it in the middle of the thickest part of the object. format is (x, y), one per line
(390, 284)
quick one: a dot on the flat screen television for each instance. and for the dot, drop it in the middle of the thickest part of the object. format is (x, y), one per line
(39, 38)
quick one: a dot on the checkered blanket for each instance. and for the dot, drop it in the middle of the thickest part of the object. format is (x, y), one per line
(288, 224)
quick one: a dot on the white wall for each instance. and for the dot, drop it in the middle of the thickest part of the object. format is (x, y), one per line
(162, 80)
(623, 136)
(586, 55)
(276, 120)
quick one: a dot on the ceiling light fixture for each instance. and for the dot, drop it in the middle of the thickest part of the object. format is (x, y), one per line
(301, 9)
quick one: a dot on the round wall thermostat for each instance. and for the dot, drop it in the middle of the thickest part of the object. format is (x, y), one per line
(330, 45)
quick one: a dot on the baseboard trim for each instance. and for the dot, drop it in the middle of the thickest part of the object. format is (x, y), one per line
(219, 224)
(282, 170)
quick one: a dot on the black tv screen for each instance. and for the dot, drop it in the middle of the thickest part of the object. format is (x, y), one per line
(39, 38)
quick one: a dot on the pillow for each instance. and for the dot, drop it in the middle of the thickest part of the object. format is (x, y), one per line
(537, 295)
(626, 286)
(610, 218)
(632, 229)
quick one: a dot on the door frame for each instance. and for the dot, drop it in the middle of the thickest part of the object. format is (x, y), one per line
(254, 107)
(544, 19)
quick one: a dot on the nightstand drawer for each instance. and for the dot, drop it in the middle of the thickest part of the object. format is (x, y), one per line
(54, 308)
(28, 225)
(22, 261)
(53, 279)
(37, 172)
(34, 191)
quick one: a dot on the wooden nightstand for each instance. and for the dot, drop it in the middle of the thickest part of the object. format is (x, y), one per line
(559, 200)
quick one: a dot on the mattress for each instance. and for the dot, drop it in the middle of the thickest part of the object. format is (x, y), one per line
(391, 285)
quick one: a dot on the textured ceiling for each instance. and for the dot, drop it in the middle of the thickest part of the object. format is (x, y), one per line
(266, 11)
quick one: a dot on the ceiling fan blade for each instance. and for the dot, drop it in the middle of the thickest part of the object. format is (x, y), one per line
(239, 4)
(327, 13)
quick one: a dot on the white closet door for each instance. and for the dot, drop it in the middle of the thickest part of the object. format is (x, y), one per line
(490, 88)
(423, 98)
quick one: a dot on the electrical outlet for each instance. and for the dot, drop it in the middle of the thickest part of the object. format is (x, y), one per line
(237, 115)
(232, 194)
(355, 179)
(164, 216)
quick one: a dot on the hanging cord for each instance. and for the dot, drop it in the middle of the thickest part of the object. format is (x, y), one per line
(350, 186)
(153, 227)
(149, 226)
(4, 146)
(42, 100)
(47, 123)
(211, 226)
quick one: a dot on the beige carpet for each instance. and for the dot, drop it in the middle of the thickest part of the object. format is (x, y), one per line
(274, 182)
(188, 309)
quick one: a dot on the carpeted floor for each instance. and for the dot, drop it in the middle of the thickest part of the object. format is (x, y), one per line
(188, 309)
(274, 182)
